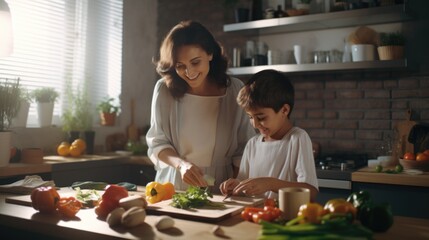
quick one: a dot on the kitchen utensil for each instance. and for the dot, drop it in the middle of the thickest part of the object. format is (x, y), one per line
(402, 129)
(227, 196)
(132, 129)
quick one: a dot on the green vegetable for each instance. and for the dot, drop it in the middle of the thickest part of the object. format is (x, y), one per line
(195, 197)
(89, 185)
(358, 199)
(88, 198)
(378, 218)
(330, 229)
(379, 168)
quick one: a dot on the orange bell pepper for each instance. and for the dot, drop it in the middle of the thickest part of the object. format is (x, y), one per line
(69, 206)
(45, 199)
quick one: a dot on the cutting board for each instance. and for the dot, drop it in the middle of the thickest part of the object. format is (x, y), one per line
(233, 205)
(401, 145)
(25, 200)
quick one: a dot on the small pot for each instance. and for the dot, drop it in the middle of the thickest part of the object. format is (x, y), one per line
(390, 52)
(107, 119)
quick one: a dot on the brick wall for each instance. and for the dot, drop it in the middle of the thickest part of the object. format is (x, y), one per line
(345, 112)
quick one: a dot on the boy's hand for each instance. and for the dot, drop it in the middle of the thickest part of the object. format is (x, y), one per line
(228, 186)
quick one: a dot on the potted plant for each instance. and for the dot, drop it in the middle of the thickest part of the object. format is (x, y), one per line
(391, 46)
(108, 111)
(45, 98)
(25, 100)
(78, 117)
(9, 104)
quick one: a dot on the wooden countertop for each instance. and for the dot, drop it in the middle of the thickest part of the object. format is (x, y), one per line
(16, 169)
(368, 175)
(88, 226)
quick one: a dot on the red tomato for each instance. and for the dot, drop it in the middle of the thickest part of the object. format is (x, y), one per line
(248, 212)
(45, 199)
(409, 156)
(422, 157)
(68, 207)
(270, 202)
(426, 152)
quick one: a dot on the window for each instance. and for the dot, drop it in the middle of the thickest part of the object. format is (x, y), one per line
(79, 41)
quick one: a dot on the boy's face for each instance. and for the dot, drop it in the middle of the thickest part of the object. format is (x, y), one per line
(271, 125)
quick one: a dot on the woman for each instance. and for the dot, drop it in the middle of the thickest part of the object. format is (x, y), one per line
(198, 132)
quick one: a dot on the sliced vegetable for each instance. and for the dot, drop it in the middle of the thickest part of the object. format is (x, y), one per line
(89, 198)
(45, 199)
(69, 206)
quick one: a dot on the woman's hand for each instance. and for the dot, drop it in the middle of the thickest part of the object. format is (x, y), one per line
(192, 175)
(253, 186)
(228, 186)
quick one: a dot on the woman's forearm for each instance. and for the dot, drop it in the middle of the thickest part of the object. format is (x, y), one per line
(169, 156)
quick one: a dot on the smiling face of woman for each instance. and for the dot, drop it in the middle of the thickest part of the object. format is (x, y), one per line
(193, 66)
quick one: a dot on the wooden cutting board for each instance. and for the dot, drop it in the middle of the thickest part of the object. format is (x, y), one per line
(401, 144)
(233, 205)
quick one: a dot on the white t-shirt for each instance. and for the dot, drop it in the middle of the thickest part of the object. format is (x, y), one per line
(198, 121)
(290, 159)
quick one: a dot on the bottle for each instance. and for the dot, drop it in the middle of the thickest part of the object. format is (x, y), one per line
(279, 12)
(347, 56)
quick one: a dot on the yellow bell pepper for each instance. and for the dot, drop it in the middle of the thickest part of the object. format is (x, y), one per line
(155, 192)
(311, 213)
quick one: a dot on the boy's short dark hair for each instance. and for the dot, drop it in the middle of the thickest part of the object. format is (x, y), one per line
(267, 89)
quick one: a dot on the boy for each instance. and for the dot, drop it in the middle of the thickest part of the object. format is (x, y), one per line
(281, 155)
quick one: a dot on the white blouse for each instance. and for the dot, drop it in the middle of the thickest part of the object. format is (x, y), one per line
(197, 128)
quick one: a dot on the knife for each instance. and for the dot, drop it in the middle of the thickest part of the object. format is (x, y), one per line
(227, 196)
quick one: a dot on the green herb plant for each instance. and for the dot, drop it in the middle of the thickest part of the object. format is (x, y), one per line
(195, 197)
(392, 39)
(45, 94)
(108, 106)
(9, 102)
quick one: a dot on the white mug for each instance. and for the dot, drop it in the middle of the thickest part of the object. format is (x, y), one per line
(299, 53)
(291, 198)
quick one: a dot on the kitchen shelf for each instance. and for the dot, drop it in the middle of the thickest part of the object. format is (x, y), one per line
(358, 17)
(367, 65)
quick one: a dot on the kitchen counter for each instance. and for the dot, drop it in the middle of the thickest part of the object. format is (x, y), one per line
(368, 175)
(88, 226)
(15, 169)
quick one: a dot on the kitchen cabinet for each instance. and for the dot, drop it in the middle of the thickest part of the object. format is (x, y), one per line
(407, 194)
(359, 17)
